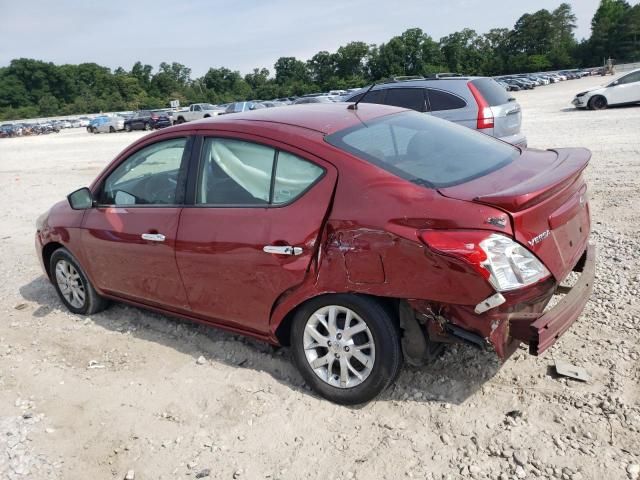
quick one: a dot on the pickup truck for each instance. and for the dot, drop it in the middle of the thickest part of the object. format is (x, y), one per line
(196, 112)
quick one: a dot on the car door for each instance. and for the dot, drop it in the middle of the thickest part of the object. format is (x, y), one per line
(129, 237)
(624, 90)
(251, 233)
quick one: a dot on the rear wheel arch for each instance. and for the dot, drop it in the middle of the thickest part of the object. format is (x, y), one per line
(283, 330)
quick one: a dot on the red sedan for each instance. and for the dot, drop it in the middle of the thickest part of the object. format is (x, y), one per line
(360, 237)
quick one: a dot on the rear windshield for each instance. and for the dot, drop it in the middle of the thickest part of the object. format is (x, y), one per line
(493, 93)
(425, 150)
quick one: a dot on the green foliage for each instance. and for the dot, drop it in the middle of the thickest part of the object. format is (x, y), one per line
(538, 41)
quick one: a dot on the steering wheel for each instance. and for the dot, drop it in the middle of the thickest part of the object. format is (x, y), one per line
(158, 189)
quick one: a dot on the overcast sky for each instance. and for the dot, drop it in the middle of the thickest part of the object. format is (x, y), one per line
(239, 34)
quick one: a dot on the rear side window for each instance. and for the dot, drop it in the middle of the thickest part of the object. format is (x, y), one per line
(411, 98)
(239, 173)
(439, 100)
(493, 93)
(425, 150)
(235, 173)
(293, 177)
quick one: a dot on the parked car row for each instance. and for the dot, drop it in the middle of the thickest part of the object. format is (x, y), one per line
(26, 129)
(528, 81)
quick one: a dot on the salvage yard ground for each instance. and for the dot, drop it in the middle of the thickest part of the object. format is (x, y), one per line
(94, 397)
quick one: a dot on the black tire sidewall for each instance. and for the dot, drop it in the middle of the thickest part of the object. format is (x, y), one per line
(385, 336)
(91, 299)
(593, 103)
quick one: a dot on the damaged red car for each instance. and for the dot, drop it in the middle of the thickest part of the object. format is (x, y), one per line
(360, 237)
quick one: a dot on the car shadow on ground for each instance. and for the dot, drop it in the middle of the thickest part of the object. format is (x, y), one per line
(610, 107)
(452, 378)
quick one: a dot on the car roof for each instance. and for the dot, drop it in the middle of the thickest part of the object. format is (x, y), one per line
(325, 118)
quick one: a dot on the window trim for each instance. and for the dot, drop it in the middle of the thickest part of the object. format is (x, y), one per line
(197, 162)
(181, 182)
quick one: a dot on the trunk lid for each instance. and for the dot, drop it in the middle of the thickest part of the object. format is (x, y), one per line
(544, 193)
(507, 119)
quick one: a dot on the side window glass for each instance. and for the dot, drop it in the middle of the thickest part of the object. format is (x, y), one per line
(439, 100)
(293, 177)
(374, 96)
(411, 98)
(197, 108)
(234, 172)
(148, 177)
(631, 78)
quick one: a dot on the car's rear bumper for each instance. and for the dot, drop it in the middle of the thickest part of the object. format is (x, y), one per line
(518, 139)
(540, 331)
(521, 318)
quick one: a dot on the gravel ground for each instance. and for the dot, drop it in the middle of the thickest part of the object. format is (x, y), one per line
(130, 390)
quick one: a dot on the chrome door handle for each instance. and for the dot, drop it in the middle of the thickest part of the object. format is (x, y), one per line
(153, 237)
(282, 250)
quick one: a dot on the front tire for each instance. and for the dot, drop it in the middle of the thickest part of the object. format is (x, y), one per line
(147, 127)
(347, 347)
(112, 130)
(598, 103)
(73, 286)
(127, 127)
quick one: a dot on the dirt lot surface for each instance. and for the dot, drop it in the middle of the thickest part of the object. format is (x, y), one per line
(95, 397)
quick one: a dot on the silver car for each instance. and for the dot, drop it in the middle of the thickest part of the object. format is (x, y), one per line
(475, 102)
(106, 125)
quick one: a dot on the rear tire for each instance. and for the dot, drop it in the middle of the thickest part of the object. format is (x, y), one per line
(73, 286)
(127, 127)
(147, 127)
(348, 368)
(598, 103)
(180, 120)
(112, 130)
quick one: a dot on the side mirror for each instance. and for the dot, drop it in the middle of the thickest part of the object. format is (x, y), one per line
(613, 84)
(81, 199)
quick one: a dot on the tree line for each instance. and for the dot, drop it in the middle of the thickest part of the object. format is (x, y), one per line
(538, 41)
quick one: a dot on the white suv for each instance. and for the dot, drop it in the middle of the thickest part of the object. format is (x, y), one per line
(623, 90)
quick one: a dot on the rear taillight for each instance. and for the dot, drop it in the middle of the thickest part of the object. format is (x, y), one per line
(506, 264)
(464, 245)
(485, 115)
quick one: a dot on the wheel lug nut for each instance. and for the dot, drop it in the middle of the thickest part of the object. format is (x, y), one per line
(339, 336)
(337, 355)
(346, 349)
(329, 343)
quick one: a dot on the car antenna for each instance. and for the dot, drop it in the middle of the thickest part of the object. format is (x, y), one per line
(354, 106)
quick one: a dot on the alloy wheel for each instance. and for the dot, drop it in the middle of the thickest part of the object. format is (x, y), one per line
(339, 346)
(70, 284)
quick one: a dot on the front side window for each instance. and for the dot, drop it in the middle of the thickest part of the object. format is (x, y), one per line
(148, 177)
(374, 96)
(424, 149)
(630, 78)
(235, 172)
